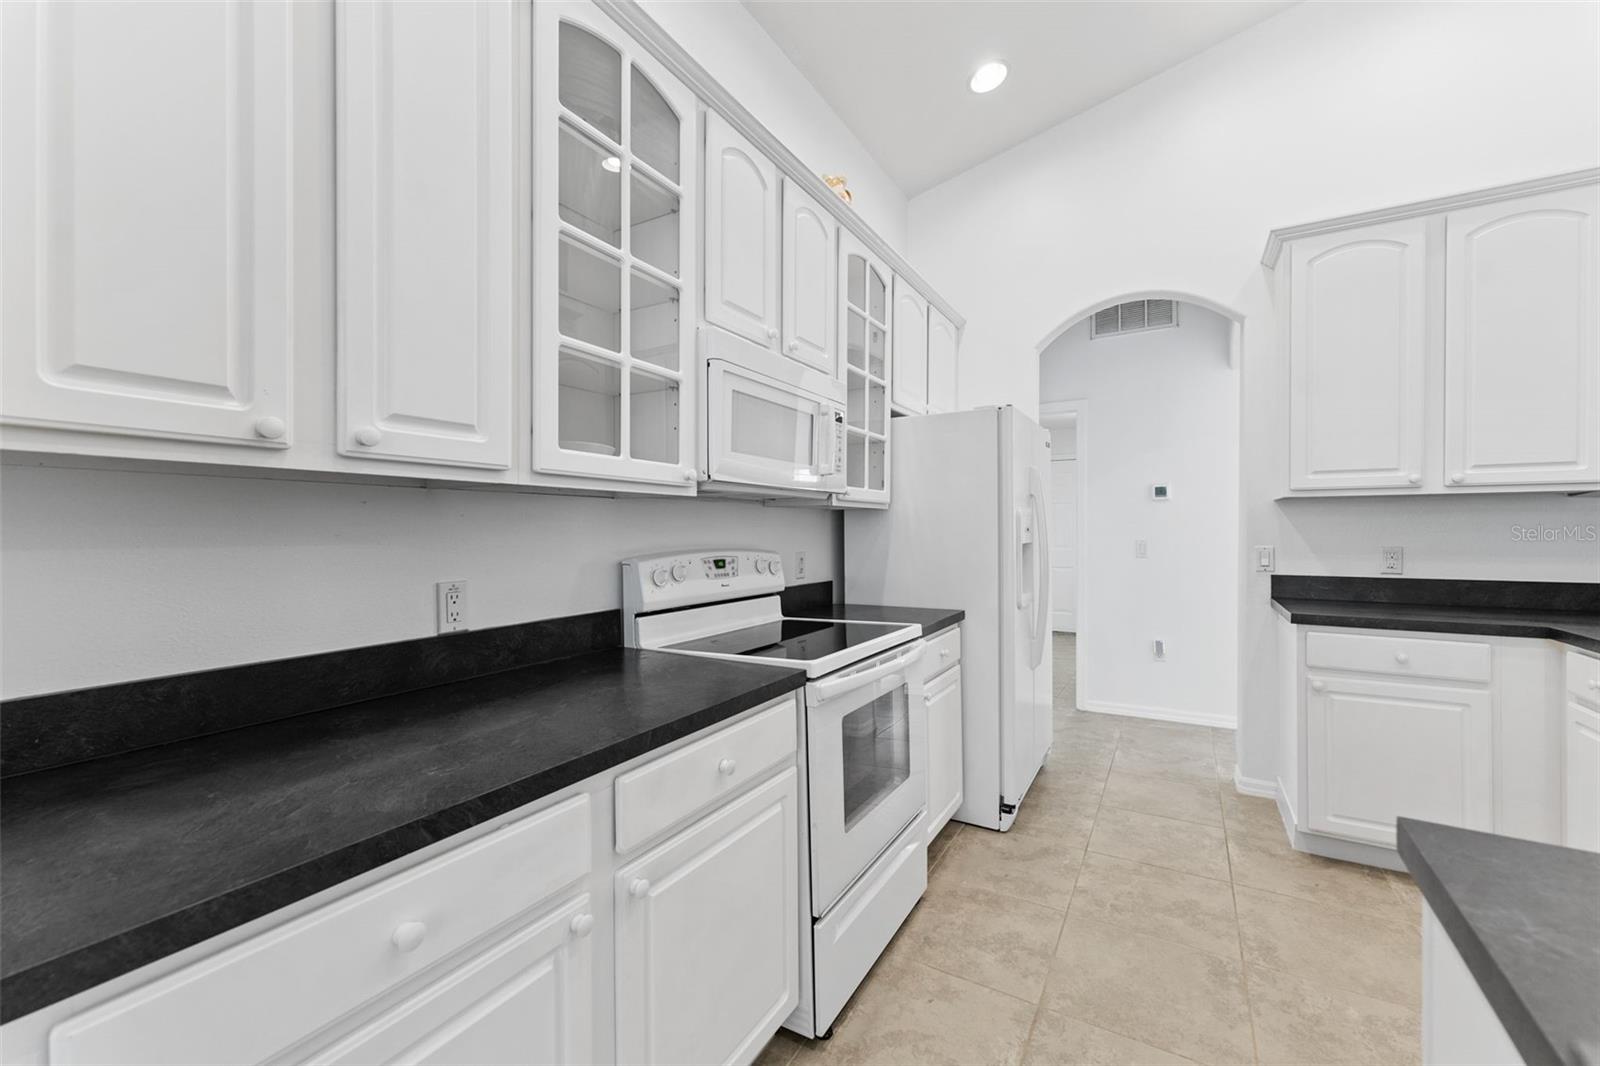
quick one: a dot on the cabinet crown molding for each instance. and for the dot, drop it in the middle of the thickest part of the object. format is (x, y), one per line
(1277, 238)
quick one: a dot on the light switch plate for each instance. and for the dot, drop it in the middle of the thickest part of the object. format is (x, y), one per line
(1266, 558)
(1394, 561)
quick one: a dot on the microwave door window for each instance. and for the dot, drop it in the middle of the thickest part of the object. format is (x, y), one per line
(772, 432)
(876, 745)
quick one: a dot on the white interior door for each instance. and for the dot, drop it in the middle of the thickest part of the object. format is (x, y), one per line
(1064, 546)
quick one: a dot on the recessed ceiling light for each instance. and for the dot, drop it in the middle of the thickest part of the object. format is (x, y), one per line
(612, 163)
(987, 77)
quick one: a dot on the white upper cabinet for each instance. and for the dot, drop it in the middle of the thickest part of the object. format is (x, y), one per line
(427, 231)
(149, 217)
(741, 236)
(865, 286)
(613, 254)
(1522, 394)
(942, 342)
(810, 281)
(910, 381)
(1357, 358)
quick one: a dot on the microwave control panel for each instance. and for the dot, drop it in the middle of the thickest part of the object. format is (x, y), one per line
(681, 579)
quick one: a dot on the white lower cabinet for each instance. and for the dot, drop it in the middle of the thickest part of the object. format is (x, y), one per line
(1379, 749)
(1581, 799)
(708, 961)
(942, 694)
(528, 999)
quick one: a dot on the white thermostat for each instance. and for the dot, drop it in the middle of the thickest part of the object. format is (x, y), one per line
(1161, 492)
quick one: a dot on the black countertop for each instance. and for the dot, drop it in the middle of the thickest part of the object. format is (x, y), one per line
(1525, 917)
(1580, 630)
(1564, 611)
(113, 863)
(931, 619)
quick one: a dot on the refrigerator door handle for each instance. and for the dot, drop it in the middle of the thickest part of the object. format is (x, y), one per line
(1041, 561)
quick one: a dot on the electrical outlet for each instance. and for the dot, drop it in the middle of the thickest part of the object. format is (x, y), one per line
(1141, 549)
(1394, 560)
(1158, 649)
(452, 606)
(799, 566)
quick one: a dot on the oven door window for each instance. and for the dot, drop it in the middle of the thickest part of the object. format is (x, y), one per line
(876, 744)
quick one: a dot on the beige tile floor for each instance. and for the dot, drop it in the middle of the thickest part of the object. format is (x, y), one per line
(1140, 911)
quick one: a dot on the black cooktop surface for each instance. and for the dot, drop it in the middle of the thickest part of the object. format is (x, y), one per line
(795, 639)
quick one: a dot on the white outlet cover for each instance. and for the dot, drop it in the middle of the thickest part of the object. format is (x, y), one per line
(451, 599)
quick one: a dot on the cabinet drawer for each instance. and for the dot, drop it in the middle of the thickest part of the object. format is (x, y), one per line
(1583, 677)
(943, 651)
(662, 793)
(1455, 660)
(290, 982)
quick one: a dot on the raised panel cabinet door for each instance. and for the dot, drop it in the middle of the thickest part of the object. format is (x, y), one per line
(148, 212)
(1582, 778)
(708, 934)
(810, 281)
(1378, 750)
(942, 342)
(1357, 358)
(1522, 359)
(944, 749)
(526, 1000)
(741, 235)
(427, 95)
(909, 381)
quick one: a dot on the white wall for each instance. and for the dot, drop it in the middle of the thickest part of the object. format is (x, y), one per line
(727, 40)
(1159, 406)
(110, 576)
(1322, 110)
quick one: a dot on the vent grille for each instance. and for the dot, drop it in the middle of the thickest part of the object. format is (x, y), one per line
(1134, 316)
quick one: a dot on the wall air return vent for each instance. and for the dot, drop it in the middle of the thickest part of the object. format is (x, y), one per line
(1134, 316)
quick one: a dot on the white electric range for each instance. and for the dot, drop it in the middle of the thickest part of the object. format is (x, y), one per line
(863, 739)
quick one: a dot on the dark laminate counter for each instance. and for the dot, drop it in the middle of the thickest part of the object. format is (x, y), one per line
(931, 619)
(1565, 611)
(1581, 630)
(109, 864)
(1525, 917)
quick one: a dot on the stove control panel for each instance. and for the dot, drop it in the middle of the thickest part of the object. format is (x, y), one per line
(682, 579)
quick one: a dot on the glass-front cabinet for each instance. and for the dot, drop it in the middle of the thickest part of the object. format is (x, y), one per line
(613, 255)
(864, 291)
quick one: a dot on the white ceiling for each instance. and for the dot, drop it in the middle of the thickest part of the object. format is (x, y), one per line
(896, 70)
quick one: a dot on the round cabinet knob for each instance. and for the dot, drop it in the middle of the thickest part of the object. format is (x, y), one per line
(726, 767)
(1594, 684)
(1318, 686)
(794, 346)
(271, 427)
(689, 474)
(772, 334)
(659, 577)
(408, 936)
(680, 571)
(1415, 479)
(1457, 478)
(581, 924)
(1401, 657)
(640, 888)
(369, 436)
(944, 653)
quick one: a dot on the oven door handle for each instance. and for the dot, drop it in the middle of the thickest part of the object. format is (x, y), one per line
(836, 686)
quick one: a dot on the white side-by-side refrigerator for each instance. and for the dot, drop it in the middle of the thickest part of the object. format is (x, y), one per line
(967, 527)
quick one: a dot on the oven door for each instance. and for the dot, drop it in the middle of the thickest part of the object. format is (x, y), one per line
(764, 432)
(867, 760)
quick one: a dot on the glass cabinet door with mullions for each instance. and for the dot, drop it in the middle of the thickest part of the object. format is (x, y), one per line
(864, 285)
(613, 247)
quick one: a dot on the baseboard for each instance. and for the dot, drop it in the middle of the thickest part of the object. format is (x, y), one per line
(1254, 786)
(1157, 714)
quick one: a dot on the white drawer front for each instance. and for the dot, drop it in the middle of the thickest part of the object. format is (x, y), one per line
(1455, 660)
(1583, 677)
(255, 999)
(667, 790)
(944, 651)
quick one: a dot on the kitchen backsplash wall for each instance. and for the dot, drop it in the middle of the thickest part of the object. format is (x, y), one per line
(114, 576)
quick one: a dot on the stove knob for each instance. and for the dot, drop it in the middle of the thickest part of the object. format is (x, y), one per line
(775, 567)
(680, 571)
(660, 576)
(761, 565)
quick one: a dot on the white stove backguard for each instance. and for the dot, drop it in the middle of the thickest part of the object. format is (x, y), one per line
(676, 627)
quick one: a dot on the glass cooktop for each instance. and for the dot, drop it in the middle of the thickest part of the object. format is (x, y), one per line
(797, 639)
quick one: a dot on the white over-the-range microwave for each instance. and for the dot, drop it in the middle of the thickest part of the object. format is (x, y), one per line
(771, 425)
